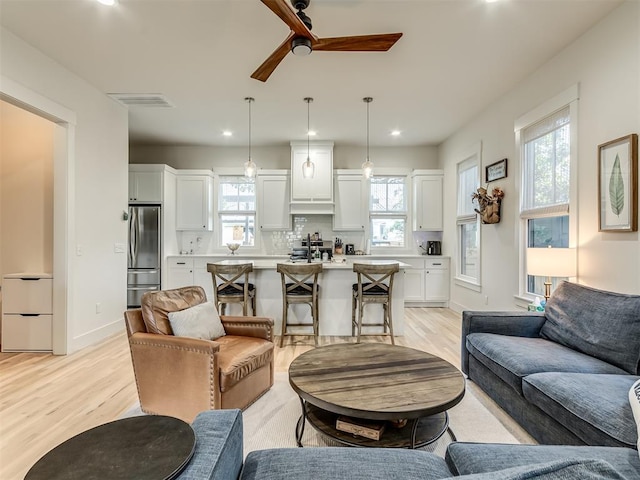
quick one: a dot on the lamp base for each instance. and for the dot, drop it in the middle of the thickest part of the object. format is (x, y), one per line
(547, 289)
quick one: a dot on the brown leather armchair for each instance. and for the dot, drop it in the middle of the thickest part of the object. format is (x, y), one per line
(182, 376)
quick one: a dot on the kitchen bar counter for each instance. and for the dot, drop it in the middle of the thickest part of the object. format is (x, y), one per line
(335, 294)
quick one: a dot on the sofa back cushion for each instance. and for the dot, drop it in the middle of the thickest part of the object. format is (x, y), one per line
(157, 305)
(605, 325)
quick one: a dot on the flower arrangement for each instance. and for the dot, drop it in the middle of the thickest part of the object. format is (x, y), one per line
(488, 205)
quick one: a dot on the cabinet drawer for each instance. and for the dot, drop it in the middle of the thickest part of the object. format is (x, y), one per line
(27, 295)
(26, 333)
(436, 263)
(414, 262)
(179, 262)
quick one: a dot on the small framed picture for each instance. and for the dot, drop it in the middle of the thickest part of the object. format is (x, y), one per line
(496, 170)
(618, 184)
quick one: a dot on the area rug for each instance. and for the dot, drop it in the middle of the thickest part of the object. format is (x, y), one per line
(270, 422)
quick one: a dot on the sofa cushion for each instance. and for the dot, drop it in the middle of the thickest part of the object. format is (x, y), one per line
(157, 305)
(240, 356)
(593, 407)
(634, 401)
(603, 324)
(558, 470)
(512, 358)
(218, 451)
(467, 458)
(332, 463)
(200, 321)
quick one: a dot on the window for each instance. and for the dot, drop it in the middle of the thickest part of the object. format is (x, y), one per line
(237, 209)
(388, 211)
(546, 188)
(467, 222)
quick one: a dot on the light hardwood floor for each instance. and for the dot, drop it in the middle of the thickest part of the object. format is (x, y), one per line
(46, 399)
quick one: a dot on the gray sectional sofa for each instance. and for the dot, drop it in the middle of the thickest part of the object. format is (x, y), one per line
(219, 456)
(564, 374)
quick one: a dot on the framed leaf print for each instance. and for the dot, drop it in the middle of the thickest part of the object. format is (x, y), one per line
(618, 184)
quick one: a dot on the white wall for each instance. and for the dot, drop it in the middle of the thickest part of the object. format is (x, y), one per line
(279, 156)
(98, 190)
(26, 195)
(605, 62)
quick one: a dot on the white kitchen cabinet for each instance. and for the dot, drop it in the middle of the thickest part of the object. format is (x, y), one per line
(27, 312)
(179, 272)
(426, 283)
(350, 207)
(427, 201)
(312, 195)
(145, 186)
(194, 201)
(273, 200)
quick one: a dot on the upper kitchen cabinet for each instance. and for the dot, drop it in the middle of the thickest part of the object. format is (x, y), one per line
(145, 183)
(427, 200)
(273, 190)
(194, 200)
(312, 195)
(350, 208)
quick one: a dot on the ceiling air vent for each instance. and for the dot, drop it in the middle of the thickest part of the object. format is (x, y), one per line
(155, 100)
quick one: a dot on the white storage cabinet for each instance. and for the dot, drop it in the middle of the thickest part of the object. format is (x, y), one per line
(27, 312)
(273, 200)
(351, 207)
(427, 201)
(145, 186)
(194, 201)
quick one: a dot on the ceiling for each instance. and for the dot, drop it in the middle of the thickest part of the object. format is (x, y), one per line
(455, 58)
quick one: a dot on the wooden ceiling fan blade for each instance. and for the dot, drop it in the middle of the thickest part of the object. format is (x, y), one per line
(361, 43)
(282, 9)
(264, 71)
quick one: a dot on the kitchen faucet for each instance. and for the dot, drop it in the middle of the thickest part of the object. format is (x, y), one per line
(308, 248)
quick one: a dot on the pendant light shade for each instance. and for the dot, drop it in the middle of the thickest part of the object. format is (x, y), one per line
(308, 167)
(367, 166)
(250, 168)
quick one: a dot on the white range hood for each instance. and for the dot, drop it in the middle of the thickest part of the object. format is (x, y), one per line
(312, 195)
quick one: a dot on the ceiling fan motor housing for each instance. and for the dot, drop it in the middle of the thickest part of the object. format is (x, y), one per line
(300, 4)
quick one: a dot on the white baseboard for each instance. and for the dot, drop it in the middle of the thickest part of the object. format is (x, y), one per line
(97, 335)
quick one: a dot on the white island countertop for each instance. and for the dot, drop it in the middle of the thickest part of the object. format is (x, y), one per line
(266, 264)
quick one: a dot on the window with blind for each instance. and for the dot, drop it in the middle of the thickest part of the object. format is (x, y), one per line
(546, 187)
(468, 268)
(237, 210)
(388, 211)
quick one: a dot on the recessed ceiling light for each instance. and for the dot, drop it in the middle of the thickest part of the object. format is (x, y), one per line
(108, 2)
(227, 133)
(312, 133)
(395, 133)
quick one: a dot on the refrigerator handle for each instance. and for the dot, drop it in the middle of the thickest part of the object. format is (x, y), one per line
(133, 236)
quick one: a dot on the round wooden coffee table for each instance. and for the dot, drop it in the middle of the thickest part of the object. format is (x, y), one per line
(380, 383)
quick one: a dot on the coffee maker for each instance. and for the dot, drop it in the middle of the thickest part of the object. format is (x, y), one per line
(434, 247)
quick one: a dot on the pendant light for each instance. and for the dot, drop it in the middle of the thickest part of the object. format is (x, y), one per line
(308, 167)
(250, 167)
(367, 166)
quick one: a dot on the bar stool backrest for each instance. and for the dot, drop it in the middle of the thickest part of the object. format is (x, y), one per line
(226, 280)
(372, 278)
(298, 276)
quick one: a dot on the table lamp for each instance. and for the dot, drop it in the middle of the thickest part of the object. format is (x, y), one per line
(551, 262)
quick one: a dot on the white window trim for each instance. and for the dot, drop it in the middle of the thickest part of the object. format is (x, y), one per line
(405, 214)
(233, 172)
(568, 97)
(475, 284)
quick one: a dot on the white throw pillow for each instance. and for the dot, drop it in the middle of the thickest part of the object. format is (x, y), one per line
(201, 321)
(634, 400)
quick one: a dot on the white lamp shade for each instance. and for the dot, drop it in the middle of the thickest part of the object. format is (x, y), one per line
(551, 262)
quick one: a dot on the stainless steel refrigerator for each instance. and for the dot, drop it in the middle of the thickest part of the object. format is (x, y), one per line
(143, 274)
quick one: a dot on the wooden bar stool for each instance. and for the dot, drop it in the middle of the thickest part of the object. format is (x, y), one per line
(227, 288)
(297, 289)
(373, 290)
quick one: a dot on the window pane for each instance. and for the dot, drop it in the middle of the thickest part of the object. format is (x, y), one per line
(469, 241)
(237, 194)
(387, 232)
(387, 194)
(544, 232)
(467, 185)
(238, 229)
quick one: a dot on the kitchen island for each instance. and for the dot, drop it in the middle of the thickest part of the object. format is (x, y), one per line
(335, 295)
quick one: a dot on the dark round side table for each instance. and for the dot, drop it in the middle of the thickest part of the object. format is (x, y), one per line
(149, 447)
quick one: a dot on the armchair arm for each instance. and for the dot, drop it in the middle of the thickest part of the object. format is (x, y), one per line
(175, 376)
(515, 324)
(260, 327)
